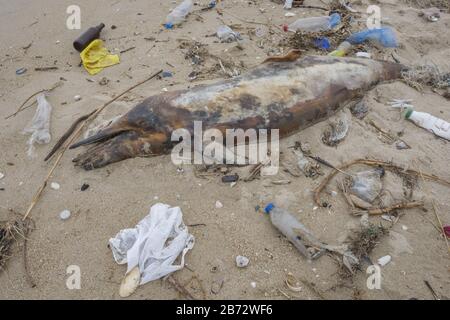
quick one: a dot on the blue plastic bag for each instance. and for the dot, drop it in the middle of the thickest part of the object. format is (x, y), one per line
(384, 36)
(322, 43)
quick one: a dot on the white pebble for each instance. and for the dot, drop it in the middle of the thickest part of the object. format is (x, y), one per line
(219, 204)
(242, 261)
(1, 175)
(384, 260)
(77, 97)
(55, 186)
(253, 284)
(404, 228)
(64, 215)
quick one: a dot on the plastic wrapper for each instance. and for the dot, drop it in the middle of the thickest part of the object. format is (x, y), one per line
(367, 185)
(154, 244)
(384, 36)
(39, 127)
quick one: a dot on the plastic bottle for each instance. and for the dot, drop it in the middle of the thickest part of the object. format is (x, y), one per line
(341, 50)
(431, 123)
(314, 24)
(226, 34)
(87, 37)
(286, 224)
(178, 14)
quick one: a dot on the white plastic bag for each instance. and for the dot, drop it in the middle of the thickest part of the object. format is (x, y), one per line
(39, 126)
(154, 244)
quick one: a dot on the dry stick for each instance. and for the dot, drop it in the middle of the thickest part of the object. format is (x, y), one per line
(74, 136)
(56, 85)
(68, 133)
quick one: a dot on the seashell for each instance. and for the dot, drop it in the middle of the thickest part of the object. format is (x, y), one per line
(130, 282)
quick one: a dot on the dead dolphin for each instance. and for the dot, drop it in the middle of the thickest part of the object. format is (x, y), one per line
(285, 95)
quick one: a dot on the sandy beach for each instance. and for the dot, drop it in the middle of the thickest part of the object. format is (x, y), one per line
(33, 34)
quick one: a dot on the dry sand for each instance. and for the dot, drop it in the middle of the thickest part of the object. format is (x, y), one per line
(121, 194)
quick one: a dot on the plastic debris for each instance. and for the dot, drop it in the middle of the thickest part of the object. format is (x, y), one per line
(219, 204)
(289, 14)
(429, 122)
(447, 231)
(230, 178)
(130, 283)
(362, 54)
(178, 15)
(65, 214)
(384, 260)
(288, 4)
(96, 57)
(153, 245)
(21, 71)
(367, 185)
(342, 49)
(55, 186)
(40, 125)
(384, 36)
(322, 43)
(2, 175)
(166, 74)
(242, 262)
(226, 34)
(314, 24)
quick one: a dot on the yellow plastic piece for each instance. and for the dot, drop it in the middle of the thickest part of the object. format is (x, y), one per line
(96, 57)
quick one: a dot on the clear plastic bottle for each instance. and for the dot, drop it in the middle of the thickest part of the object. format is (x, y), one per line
(287, 225)
(342, 49)
(314, 24)
(178, 14)
(431, 123)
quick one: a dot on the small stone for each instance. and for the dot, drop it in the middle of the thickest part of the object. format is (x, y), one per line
(404, 228)
(253, 284)
(219, 204)
(84, 187)
(1, 176)
(103, 81)
(242, 262)
(384, 260)
(55, 186)
(77, 97)
(64, 215)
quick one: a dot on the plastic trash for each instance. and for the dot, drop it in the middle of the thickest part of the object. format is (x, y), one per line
(40, 124)
(322, 43)
(342, 49)
(384, 36)
(314, 24)
(303, 239)
(226, 34)
(431, 123)
(288, 4)
(178, 15)
(154, 244)
(447, 231)
(367, 185)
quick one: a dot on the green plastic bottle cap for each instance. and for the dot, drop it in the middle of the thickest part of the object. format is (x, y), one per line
(408, 112)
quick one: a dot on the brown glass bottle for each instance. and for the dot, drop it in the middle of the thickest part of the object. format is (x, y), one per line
(87, 37)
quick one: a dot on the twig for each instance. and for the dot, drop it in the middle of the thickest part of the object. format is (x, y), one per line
(74, 136)
(25, 255)
(45, 68)
(435, 296)
(66, 135)
(56, 85)
(397, 206)
(126, 50)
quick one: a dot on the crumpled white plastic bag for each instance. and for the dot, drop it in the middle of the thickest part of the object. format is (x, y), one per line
(154, 244)
(39, 126)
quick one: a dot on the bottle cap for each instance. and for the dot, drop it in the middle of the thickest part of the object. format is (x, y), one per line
(168, 25)
(269, 207)
(408, 112)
